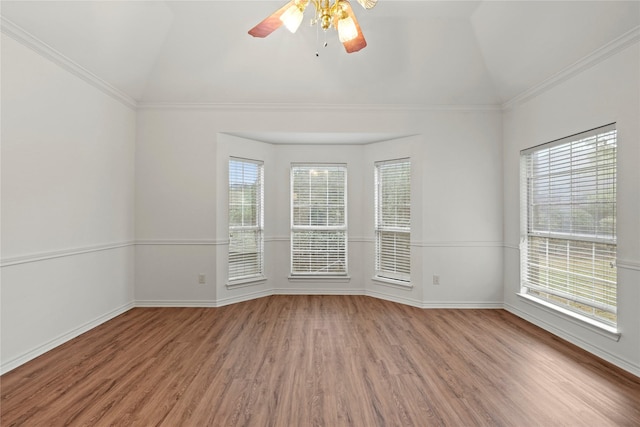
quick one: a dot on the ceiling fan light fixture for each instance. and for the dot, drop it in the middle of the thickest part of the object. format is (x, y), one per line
(347, 30)
(292, 17)
(337, 15)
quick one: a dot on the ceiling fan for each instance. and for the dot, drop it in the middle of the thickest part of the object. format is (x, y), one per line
(338, 15)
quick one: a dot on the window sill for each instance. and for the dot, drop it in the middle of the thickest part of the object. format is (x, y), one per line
(392, 282)
(575, 318)
(319, 279)
(241, 283)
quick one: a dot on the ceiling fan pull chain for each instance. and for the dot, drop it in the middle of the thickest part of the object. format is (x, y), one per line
(317, 39)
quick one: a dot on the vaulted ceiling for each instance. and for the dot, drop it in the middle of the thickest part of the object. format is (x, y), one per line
(419, 52)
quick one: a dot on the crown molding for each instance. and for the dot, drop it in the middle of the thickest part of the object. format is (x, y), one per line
(23, 37)
(627, 39)
(292, 107)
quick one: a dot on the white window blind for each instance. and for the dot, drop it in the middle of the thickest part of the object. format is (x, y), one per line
(318, 219)
(246, 216)
(393, 219)
(568, 255)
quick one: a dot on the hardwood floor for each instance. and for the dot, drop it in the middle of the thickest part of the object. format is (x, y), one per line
(318, 361)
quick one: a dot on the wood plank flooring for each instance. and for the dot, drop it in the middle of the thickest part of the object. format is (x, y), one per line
(318, 361)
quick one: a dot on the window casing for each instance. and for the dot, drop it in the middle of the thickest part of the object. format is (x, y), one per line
(246, 219)
(318, 219)
(568, 206)
(393, 220)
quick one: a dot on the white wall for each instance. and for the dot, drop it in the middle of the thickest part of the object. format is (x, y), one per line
(605, 93)
(80, 169)
(181, 180)
(67, 205)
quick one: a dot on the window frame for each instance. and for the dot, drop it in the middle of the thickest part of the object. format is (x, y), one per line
(258, 227)
(296, 228)
(380, 273)
(540, 243)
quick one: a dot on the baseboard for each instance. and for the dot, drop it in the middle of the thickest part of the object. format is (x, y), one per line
(394, 298)
(50, 345)
(460, 305)
(317, 291)
(464, 305)
(175, 303)
(245, 297)
(32, 354)
(597, 351)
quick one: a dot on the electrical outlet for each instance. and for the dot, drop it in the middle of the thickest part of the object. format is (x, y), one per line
(436, 279)
(202, 279)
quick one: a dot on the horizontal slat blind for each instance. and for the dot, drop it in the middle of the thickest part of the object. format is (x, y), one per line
(393, 219)
(570, 251)
(319, 252)
(246, 256)
(318, 219)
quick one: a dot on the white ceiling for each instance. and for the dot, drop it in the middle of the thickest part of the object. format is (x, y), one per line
(419, 52)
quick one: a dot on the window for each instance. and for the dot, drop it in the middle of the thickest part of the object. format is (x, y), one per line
(318, 219)
(393, 219)
(568, 202)
(246, 216)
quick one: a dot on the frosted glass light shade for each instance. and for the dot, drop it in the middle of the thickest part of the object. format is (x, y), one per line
(347, 30)
(292, 17)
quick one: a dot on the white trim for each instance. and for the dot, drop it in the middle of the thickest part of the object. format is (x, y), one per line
(277, 239)
(627, 39)
(354, 239)
(575, 318)
(394, 283)
(515, 247)
(394, 298)
(28, 40)
(628, 264)
(464, 305)
(182, 242)
(452, 305)
(25, 38)
(61, 339)
(20, 360)
(245, 297)
(242, 298)
(351, 239)
(243, 283)
(317, 291)
(176, 303)
(43, 256)
(360, 239)
(288, 107)
(457, 244)
(597, 351)
(205, 242)
(300, 278)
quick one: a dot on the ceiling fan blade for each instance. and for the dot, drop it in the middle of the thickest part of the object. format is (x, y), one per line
(368, 4)
(271, 23)
(359, 42)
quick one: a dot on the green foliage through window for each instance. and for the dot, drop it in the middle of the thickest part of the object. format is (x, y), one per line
(568, 192)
